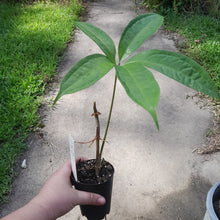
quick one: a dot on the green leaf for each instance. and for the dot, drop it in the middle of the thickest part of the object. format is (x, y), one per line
(136, 32)
(103, 40)
(179, 68)
(141, 87)
(84, 74)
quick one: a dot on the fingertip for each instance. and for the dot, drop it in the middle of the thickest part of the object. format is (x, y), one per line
(88, 198)
(101, 201)
(81, 159)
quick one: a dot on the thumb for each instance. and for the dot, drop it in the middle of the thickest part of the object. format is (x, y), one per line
(87, 198)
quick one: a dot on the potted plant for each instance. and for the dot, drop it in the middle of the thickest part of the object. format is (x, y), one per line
(132, 72)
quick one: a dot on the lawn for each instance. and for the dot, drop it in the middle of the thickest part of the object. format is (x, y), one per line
(32, 40)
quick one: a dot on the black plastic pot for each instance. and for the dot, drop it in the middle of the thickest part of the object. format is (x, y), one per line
(104, 189)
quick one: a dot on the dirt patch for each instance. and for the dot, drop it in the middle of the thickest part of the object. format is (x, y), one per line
(213, 134)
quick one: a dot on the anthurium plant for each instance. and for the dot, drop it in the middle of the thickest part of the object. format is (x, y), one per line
(132, 71)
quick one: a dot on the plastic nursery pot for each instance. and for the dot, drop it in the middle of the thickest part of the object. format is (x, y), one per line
(104, 189)
(212, 197)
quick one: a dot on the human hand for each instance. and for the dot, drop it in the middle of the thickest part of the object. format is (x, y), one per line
(57, 197)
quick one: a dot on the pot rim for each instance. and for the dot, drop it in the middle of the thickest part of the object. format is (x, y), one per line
(93, 184)
(209, 200)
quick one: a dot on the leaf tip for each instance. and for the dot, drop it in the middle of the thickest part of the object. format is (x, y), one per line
(157, 124)
(154, 116)
(56, 99)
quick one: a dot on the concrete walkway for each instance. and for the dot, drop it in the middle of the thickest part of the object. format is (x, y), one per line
(157, 175)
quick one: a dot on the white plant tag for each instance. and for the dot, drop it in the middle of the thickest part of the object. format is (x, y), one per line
(73, 157)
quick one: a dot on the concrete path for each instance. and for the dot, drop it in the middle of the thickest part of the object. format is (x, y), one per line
(157, 175)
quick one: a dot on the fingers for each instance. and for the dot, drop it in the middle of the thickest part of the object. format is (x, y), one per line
(82, 197)
(81, 159)
(67, 168)
(87, 198)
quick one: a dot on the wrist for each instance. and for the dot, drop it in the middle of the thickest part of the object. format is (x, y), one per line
(40, 208)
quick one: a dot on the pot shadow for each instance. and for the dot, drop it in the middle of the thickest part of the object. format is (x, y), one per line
(186, 204)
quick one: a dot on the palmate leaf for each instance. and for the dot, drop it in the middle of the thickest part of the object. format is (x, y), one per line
(105, 43)
(136, 32)
(84, 74)
(179, 68)
(141, 87)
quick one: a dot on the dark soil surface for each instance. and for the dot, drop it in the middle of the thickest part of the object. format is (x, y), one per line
(86, 172)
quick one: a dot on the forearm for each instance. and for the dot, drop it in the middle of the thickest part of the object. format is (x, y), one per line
(31, 211)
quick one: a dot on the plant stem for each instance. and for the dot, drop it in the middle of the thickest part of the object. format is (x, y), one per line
(109, 116)
(98, 159)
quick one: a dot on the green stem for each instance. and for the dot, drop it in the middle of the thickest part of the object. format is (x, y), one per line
(109, 116)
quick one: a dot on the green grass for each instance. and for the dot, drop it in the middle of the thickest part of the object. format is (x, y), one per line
(204, 28)
(32, 40)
